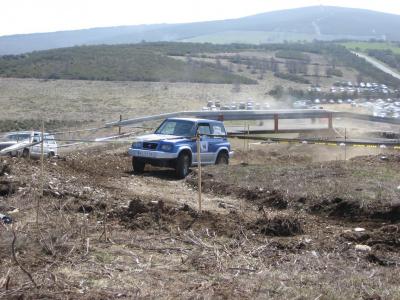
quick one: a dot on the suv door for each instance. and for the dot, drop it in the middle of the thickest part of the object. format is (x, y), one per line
(36, 149)
(205, 131)
(219, 139)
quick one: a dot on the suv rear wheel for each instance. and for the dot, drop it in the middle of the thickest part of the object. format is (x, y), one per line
(138, 165)
(182, 165)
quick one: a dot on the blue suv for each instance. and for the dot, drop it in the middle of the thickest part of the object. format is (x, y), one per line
(174, 145)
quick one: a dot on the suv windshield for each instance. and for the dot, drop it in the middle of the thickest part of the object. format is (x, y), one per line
(19, 137)
(177, 127)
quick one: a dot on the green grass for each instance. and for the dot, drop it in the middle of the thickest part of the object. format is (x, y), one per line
(364, 46)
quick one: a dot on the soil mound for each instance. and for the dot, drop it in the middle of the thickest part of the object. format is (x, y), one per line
(279, 226)
(156, 214)
(4, 168)
(384, 238)
(7, 188)
(259, 196)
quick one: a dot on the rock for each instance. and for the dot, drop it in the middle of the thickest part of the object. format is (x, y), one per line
(6, 188)
(5, 219)
(5, 169)
(87, 189)
(363, 248)
(359, 229)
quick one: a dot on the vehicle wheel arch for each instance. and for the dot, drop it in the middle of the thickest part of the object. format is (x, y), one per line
(183, 163)
(220, 151)
(186, 151)
(25, 152)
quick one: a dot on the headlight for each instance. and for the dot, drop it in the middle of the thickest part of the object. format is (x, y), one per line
(137, 145)
(166, 147)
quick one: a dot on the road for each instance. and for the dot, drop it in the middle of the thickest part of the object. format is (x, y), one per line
(378, 65)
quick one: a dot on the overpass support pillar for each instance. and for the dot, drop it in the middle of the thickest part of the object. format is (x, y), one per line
(276, 123)
(330, 121)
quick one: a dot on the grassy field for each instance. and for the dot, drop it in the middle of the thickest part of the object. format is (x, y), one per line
(365, 46)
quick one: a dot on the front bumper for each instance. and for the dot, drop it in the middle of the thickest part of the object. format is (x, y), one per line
(231, 154)
(151, 154)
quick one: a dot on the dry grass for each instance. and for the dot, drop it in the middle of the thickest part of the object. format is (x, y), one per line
(159, 247)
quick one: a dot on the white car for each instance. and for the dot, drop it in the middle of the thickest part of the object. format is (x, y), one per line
(14, 144)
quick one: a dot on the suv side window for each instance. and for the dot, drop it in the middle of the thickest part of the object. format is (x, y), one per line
(12, 137)
(19, 137)
(204, 128)
(218, 129)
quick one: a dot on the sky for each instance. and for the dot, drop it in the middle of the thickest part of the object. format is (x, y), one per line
(30, 16)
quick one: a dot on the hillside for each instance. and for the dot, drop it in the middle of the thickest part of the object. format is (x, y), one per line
(316, 22)
(191, 62)
(113, 63)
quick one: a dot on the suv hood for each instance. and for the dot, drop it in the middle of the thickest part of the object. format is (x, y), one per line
(158, 137)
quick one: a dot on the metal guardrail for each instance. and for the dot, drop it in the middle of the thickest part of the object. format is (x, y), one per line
(395, 144)
(235, 115)
(349, 115)
(232, 115)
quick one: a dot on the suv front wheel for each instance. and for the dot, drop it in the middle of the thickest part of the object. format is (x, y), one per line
(25, 153)
(138, 165)
(182, 165)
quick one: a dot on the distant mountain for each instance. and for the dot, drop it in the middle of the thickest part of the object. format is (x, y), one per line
(308, 23)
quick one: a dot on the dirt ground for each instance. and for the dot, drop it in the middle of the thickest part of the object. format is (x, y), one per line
(104, 232)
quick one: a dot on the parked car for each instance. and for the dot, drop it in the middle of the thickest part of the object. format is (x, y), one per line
(174, 145)
(16, 140)
(299, 104)
(266, 105)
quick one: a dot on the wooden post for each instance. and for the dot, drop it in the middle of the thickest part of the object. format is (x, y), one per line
(330, 121)
(244, 138)
(41, 176)
(199, 167)
(276, 123)
(119, 127)
(248, 144)
(345, 144)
